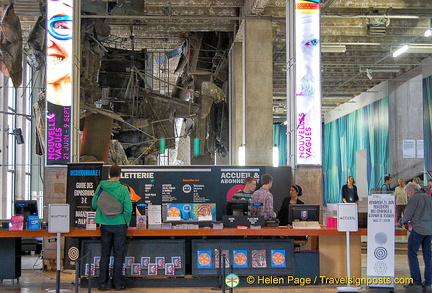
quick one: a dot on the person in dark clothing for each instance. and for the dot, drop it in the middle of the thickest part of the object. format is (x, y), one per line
(295, 192)
(113, 228)
(349, 191)
(418, 213)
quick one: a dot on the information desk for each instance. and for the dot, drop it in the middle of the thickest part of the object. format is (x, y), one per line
(331, 243)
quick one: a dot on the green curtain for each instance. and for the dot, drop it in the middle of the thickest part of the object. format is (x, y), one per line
(280, 139)
(366, 128)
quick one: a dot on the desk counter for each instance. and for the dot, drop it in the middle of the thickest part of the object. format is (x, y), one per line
(267, 231)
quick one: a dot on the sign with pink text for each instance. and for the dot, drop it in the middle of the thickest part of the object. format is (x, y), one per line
(308, 83)
(58, 93)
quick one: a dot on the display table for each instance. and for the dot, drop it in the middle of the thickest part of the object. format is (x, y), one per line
(331, 243)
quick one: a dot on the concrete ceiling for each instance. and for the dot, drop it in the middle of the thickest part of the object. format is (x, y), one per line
(160, 26)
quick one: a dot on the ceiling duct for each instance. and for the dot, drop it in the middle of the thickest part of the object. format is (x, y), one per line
(378, 30)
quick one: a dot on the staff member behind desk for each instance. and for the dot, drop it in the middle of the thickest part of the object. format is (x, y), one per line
(349, 191)
(263, 197)
(113, 227)
(248, 189)
(295, 192)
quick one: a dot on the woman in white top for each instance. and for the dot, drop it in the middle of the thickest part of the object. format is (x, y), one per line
(401, 198)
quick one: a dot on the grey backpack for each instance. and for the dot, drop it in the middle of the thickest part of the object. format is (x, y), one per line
(108, 205)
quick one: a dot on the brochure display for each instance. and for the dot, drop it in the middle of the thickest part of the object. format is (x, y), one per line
(257, 257)
(149, 257)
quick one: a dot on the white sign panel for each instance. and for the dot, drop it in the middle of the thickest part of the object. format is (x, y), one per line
(58, 218)
(420, 149)
(381, 237)
(408, 149)
(347, 217)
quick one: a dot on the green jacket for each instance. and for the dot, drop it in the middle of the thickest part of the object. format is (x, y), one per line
(119, 192)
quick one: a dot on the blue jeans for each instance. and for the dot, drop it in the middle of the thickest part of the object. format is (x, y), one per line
(414, 242)
(112, 237)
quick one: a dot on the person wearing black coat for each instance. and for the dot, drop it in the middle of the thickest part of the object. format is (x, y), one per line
(295, 192)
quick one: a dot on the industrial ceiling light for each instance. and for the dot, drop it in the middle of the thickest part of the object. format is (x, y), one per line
(368, 73)
(428, 32)
(242, 155)
(328, 48)
(417, 49)
(401, 50)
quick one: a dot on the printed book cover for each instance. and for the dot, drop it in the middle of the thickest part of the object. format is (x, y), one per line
(278, 259)
(141, 222)
(91, 221)
(259, 258)
(176, 260)
(204, 259)
(160, 261)
(17, 223)
(136, 269)
(129, 260)
(169, 269)
(240, 258)
(225, 254)
(152, 269)
(96, 261)
(145, 260)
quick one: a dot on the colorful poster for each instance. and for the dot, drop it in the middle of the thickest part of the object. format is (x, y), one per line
(204, 259)
(58, 93)
(278, 259)
(203, 212)
(259, 258)
(308, 83)
(240, 259)
(82, 180)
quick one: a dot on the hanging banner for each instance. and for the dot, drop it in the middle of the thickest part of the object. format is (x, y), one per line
(82, 180)
(58, 95)
(381, 239)
(308, 83)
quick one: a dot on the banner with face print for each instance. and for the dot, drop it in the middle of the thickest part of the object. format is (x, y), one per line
(308, 83)
(58, 93)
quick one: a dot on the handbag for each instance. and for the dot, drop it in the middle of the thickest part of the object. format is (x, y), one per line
(108, 205)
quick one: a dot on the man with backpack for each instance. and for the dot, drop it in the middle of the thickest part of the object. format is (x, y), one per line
(113, 212)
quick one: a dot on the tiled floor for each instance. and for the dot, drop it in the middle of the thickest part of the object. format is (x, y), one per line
(35, 281)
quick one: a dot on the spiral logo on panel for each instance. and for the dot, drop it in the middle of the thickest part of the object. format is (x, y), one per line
(381, 238)
(73, 253)
(380, 253)
(380, 268)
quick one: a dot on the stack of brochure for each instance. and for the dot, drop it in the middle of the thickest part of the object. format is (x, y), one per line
(306, 225)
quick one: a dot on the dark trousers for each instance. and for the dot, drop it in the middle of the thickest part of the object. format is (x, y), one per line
(112, 237)
(414, 242)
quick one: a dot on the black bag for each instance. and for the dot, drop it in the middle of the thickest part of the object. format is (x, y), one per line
(108, 205)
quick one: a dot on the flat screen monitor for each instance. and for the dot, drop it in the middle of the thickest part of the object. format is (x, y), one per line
(303, 212)
(237, 207)
(25, 208)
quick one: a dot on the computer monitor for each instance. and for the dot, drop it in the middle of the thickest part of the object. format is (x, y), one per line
(237, 207)
(303, 212)
(25, 208)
